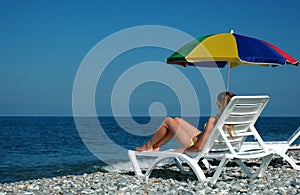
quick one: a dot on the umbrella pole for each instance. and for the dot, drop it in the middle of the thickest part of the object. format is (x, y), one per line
(228, 77)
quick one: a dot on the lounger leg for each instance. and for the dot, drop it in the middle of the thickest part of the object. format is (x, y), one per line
(219, 170)
(263, 167)
(193, 164)
(207, 164)
(296, 161)
(244, 167)
(290, 160)
(135, 163)
(180, 166)
(195, 167)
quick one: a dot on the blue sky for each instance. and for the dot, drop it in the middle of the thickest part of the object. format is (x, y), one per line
(43, 44)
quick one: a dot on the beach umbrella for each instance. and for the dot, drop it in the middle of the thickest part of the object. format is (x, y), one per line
(231, 49)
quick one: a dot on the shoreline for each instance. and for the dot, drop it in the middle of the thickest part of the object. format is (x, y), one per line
(280, 178)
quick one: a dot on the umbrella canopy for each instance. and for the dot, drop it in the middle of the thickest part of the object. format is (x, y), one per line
(217, 50)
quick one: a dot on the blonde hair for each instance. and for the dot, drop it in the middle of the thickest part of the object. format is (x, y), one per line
(223, 100)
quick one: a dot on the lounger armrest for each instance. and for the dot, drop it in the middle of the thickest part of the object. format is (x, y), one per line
(294, 136)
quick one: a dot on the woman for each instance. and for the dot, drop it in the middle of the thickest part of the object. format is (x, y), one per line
(189, 137)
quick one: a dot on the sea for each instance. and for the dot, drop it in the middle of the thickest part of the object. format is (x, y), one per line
(43, 147)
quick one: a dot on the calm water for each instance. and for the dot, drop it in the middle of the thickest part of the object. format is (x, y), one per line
(37, 147)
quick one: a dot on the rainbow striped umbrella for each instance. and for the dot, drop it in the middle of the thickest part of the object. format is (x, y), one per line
(219, 50)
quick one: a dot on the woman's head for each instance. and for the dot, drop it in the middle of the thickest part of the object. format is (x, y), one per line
(223, 99)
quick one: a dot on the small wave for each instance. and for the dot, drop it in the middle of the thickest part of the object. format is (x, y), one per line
(126, 166)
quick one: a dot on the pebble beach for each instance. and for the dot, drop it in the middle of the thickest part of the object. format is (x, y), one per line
(280, 178)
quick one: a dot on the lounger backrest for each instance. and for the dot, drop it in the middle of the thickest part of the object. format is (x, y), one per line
(241, 113)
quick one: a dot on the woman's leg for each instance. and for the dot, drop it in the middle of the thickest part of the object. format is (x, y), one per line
(182, 130)
(190, 129)
(185, 133)
(161, 136)
(176, 128)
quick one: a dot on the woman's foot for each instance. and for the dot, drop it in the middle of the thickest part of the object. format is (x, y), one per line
(156, 149)
(146, 147)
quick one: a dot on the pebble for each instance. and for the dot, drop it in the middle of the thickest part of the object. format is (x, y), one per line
(279, 179)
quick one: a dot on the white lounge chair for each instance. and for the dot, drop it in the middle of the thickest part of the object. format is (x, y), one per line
(281, 148)
(242, 112)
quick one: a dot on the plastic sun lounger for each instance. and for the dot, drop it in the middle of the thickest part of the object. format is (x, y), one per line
(242, 112)
(281, 148)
